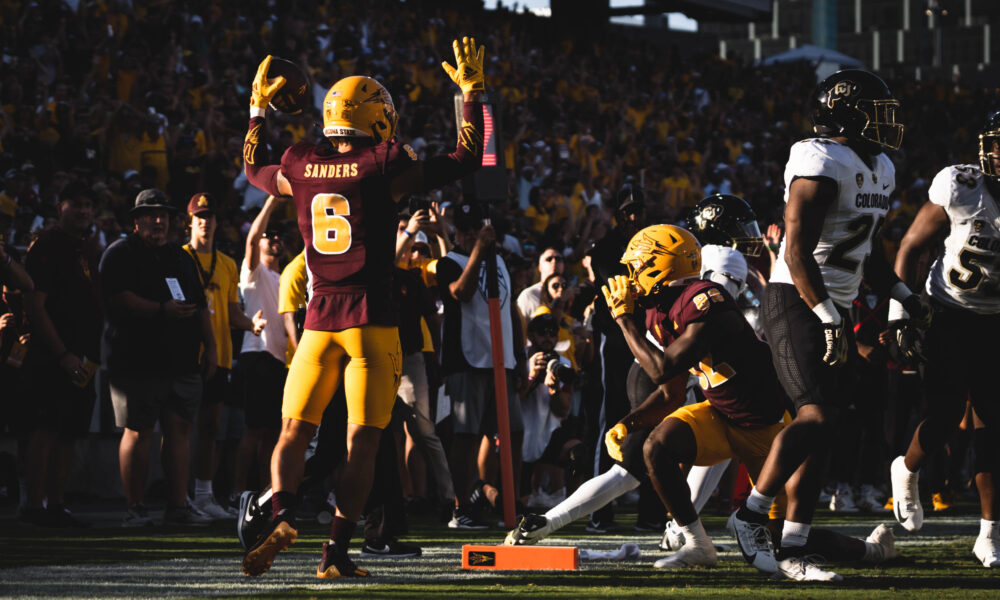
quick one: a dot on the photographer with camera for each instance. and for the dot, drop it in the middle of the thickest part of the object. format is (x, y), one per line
(550, 447)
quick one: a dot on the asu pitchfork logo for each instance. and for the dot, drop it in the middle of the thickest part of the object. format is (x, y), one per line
(250, 144)
(482, 559)
(470, 137)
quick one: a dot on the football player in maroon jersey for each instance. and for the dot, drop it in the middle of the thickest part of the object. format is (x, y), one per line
(346, 196)
(700, 327)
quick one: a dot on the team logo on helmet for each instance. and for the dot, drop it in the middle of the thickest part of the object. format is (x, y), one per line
(660, 254)
(840, 91)
(712, 211)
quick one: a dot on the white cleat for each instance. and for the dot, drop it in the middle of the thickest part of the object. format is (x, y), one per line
(673, 537)
(806, 568)
(754, 541)
(869, 501)
(208, 506)
(906, 496)
(842, 500)
(885, 542)
(987, 551)
(689, 556)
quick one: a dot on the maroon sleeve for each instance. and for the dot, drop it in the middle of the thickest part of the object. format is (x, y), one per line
(468, 155)
(260, 175)
(700, 300)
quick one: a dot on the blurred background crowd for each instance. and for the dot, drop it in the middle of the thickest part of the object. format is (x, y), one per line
(107, 98)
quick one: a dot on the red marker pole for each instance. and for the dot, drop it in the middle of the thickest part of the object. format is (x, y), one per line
(500, 389)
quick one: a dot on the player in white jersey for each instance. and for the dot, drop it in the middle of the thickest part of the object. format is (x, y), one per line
(959, 348)
(837, 194)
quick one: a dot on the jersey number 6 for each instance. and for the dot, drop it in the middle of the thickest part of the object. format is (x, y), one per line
(331, 231)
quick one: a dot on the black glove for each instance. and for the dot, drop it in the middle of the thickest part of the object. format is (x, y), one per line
(909, 333)
(835, 338)
(910, 340)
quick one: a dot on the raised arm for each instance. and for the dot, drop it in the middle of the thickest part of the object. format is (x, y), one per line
(468, 155)
(462, 288)
(257, 229)
(264, 176)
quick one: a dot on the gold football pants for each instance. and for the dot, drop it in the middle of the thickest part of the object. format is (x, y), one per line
(367, 358)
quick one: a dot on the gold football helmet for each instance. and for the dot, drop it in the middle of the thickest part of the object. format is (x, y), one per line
(359, 107)
(659, 255)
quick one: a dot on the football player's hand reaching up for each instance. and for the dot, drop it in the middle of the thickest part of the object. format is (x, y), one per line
(468, 70)
(263, 89)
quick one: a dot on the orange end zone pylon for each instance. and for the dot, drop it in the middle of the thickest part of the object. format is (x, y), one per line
(533, 558)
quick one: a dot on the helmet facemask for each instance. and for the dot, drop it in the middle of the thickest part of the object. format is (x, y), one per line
(989, 152)
(882, 127)
(751, 243)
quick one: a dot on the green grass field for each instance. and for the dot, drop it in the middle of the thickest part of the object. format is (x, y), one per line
(110, 562)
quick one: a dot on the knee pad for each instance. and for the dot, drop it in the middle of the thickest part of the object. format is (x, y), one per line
(985, 449)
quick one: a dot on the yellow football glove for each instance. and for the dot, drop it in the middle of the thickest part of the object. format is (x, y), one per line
(613, 440)
(619, 296)
(263, 89)
(468, 72)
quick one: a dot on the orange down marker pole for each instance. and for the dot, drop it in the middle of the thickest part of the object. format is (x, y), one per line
(500, 390)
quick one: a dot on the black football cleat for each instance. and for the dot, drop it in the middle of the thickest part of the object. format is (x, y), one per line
(252, 521)
(528, 532)
(335, 565)
(280, 535)
(390, 548)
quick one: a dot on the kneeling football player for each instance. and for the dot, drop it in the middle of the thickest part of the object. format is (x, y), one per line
(702, 329)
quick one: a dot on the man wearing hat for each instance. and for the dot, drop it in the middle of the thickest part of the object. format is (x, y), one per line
(548, 446)
(220, 279)
(157, 323)
(467, 359)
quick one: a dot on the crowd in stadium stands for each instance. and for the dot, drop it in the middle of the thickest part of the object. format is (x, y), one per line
(105, 99)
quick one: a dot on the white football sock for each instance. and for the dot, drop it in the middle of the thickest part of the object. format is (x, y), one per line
(989, 529)
(874, 553)
(694, 534)
(592, 495)
(202, 488)
(795, 535)
(264, 498)
(759, 503)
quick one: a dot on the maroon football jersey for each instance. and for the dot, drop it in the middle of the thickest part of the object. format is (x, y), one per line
(348, 221)
(736, 376)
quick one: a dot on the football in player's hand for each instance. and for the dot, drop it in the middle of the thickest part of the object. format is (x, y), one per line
(291, 98)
